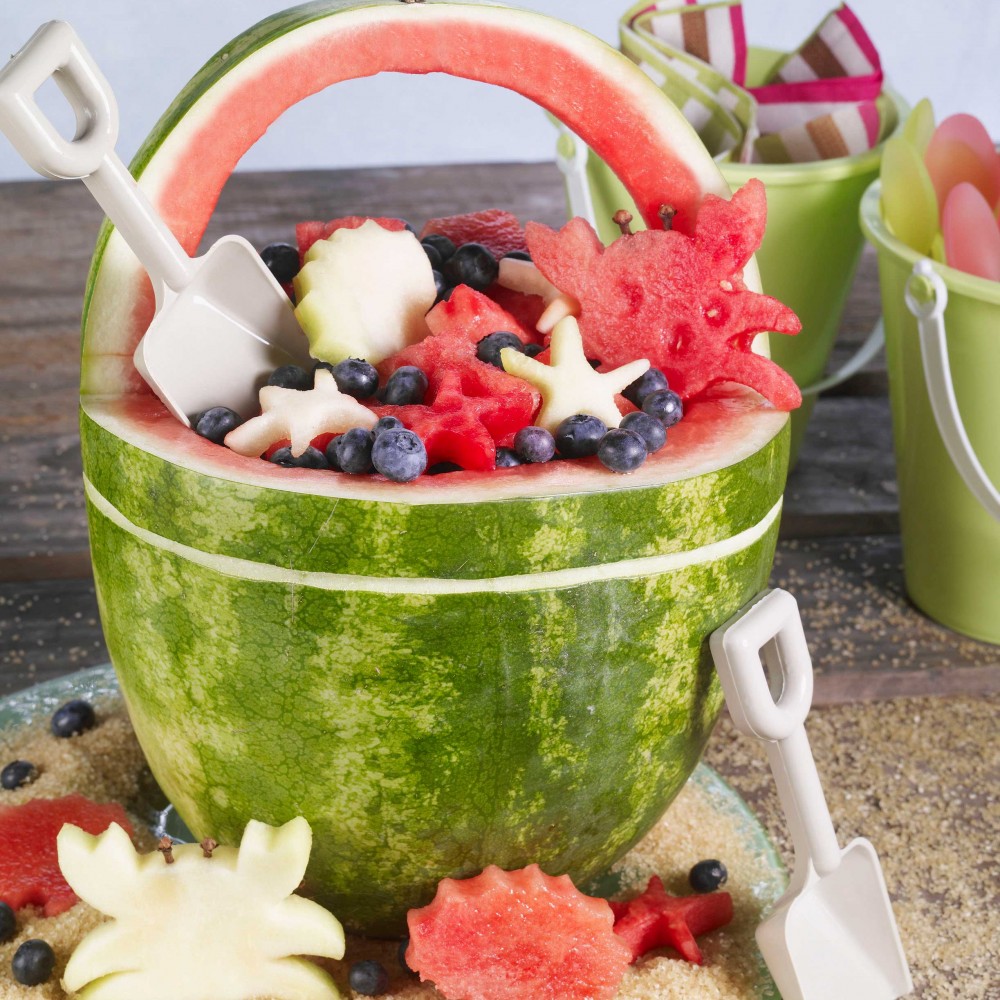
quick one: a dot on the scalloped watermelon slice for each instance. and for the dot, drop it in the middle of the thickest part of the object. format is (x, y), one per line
(678, 300)
(497, 230)
(29, 863)
(470, 406)
(513, 935)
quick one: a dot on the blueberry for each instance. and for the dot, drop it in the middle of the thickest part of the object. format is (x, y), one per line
(368, 978)
(622, 450)
(291, 377)
(518, 255)
(473, 265)
(708, 875)
(16, 774)
(73, 718)
(8, 923)
(399, 455)
(651, 380)
(282, 260)
(442, 290)
(665, 405)
(433, 255)
(534, 444)
(216, 423)
(33, 962)
(579, 435)
(401, 955)
(507, 458)
(357, 378)
(444, 247)
(311, 458)
(406, 385)
(488, 349)
(331, 455)
(648, 428)
(386, 424)
(533, 350)
(354, 450)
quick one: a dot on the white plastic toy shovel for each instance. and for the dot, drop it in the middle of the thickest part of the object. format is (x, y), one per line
(222, 321)
(832, 936)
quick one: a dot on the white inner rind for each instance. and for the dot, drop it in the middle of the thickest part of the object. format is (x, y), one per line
(554, 579)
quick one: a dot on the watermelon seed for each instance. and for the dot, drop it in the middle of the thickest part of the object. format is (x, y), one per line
(208, 846)
(166, 848)
(623, 220)
(666, 214)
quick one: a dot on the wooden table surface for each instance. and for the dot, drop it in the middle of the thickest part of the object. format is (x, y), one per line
(839, 551)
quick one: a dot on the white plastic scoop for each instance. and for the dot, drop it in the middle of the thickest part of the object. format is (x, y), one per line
(222, 321)
(832, 935)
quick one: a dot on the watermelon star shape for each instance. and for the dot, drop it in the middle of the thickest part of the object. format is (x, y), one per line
(676, 298)
(569, 384)
(655, 919)
(299, 416)
(215, 923)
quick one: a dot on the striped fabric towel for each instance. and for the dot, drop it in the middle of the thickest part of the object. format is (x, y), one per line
(823, 100)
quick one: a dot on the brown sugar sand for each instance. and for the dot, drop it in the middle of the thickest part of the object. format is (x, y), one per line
(106, 764)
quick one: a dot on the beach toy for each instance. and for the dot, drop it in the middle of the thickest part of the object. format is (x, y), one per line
(943, 371)
(833, 934)
(222, 323)
(909, 201)
(970, 233)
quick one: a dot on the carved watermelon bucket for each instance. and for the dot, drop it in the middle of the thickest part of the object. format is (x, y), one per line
(439, 675)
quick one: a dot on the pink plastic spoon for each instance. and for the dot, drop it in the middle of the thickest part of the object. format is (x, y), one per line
(951, 160)
(971, 235)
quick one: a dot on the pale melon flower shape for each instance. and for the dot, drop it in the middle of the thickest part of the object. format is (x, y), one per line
(522, 276)
(215, 924)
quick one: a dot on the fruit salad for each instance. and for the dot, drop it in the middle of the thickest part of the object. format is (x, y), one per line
(482, 345)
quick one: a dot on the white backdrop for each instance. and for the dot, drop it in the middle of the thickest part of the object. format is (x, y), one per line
(149, 48)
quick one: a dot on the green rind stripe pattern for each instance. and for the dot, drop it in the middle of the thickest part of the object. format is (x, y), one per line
(422, 735)
(451, 541)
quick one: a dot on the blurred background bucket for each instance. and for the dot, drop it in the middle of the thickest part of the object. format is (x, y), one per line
(810, 250)
(946, 431)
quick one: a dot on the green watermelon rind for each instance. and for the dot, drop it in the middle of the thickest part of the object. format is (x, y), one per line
(458, 539)
(396, 764)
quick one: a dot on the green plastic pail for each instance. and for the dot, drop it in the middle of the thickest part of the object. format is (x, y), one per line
(810, 250)
(943, 389)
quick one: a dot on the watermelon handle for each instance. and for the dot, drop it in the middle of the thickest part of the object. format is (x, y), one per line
(55, 51)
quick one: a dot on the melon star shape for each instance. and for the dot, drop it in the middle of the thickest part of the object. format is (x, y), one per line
(299, 416)
(674, 298)
(569, 384)
(202, 928)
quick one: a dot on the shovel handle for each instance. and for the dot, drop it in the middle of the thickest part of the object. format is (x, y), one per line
(55, 51)
(774, 711)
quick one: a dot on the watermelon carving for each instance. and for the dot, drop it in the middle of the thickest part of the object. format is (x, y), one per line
(495, 229)
(464, 670)
(679, 300)
(29, 862)
(512, 935)
(307, 233)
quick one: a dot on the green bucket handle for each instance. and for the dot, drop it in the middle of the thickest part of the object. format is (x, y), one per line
(926, 297)
(571, 158)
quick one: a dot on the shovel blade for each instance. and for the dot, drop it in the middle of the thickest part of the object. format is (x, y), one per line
(837, 937)
(216, 342)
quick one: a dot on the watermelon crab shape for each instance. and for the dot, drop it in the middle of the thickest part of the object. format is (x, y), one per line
(193, 921)
(470, 406)
(677, 299)
(569, 384)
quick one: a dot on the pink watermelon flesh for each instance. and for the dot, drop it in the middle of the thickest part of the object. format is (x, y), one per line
(678, 300)
(29, 865)
(307, 233)
(495, 229)
(513, 935)
(470, 406)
